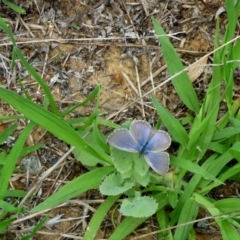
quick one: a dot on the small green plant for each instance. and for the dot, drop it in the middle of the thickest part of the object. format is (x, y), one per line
(200, 164)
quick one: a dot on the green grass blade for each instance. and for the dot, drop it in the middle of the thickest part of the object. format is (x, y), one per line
(74, 188)
(5, 27)
(15, 193)
(228, 205)
(98, 217)
(173, 125)
(40, 81)
(194, 168)
(91, 96)
(163, 222)
(181, 82)
(227, 229)
(6, 133)
(50, 122)
(191, 208)
(232, 8)
(236, 54)
(12, 158)
(4, 224)
(14, 7)
(30, 149)
(36, 228)
(100, 140)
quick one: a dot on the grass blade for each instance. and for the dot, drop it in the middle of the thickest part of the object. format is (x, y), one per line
(50, 122)
(98, 217)
(181, 83)
(173, 125)
(74, 188)
(12, 158)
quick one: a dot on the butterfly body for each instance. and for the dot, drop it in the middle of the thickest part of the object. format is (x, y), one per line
(148, 142)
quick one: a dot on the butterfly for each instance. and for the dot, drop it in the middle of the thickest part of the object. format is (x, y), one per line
(148, 142)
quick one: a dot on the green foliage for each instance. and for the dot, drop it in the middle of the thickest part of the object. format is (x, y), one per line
(114, 184)
(139, 206)
(74, 188)
(180, 81)
(203, 161)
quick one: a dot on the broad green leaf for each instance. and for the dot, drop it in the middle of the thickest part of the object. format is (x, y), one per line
(74, 188)
(142, 180)
(139, 206)
(114, 184)
(218, 147)
(128, 225)
(140, 165)
(84, 157)
(123, 161)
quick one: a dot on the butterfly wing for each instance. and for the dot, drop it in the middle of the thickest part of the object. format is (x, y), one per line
(140, 131)
(158, 161)
(160, 141)
(123, 140)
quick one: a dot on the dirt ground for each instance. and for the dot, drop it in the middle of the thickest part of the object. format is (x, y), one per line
(75, 46)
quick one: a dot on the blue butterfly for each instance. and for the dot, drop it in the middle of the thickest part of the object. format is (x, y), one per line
(148, 142)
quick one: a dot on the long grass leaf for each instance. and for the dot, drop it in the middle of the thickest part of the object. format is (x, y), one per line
(40, 81)
(74, 188)
(12, 158)
(173, 125)
(191, 208)
(50, 122)
(98, 217)
(181, 82)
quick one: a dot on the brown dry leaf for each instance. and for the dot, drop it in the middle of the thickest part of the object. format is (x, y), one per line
(196, 69)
